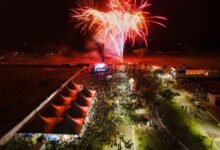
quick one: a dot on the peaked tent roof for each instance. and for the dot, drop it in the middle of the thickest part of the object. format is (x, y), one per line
(64, 114)
(40, 124)
(82, 100)
(48, 111)
(69, 93)
(88, 93)
(73, 86)
(79, 121)
(53, 110)
(34, 126)
(78, 111)
(63, 100)
(60, 110)
(50, 123)
(68, 126)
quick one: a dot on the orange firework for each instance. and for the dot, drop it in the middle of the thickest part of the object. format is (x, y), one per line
(123, 19)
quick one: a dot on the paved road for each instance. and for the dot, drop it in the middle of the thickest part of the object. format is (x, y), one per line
(207, 123)
(157, 120)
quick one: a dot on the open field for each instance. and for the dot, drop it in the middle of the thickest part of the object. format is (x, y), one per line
(202, 60)
(23, 88)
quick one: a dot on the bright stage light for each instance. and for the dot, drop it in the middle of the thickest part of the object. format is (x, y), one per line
(100, 68)
(100, 65)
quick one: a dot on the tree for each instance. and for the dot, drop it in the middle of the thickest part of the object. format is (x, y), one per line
(167, 93)
(20, 144)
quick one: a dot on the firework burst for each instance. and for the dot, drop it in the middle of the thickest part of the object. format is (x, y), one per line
(121, 20)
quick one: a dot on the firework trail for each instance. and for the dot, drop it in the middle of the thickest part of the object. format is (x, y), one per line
(121, 20)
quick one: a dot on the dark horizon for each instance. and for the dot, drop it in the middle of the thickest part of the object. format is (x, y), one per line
(29, 23)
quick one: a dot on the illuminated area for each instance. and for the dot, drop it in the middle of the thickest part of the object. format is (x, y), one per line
(100, 68)
(122, 20)
(149, 90)
(65, 114)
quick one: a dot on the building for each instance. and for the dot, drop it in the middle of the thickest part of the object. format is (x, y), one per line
(213, 91)
(213, 99)
(198, 73)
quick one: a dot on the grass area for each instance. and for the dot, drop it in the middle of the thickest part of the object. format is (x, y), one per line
(149, 139)
(184, 127)
(22, 89)
(21, 144)
(96, 145)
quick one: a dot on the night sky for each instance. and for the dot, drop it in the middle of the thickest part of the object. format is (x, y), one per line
(44, 22)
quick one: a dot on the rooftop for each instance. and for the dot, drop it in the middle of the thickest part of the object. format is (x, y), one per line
(212, 86)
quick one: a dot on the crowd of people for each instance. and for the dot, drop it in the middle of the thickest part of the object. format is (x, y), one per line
(104, 116)
(113, 91)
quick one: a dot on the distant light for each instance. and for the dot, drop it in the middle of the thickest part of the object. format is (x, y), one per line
(131, 80)
(154, 67)
(53, 138)
(100, 65)
(66, 137)
(100, 68)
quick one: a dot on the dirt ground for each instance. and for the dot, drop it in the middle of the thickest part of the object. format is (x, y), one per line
(199, 60)
(22, 89)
